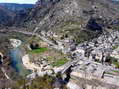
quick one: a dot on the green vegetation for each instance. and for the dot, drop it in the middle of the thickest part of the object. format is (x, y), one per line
(113, 60)
(115, 27)
(86, 35)
(74, 29)
(116, 64)
(60, 62)
(115, 47)
(68, 27)
(38, 50)
(109, 73)
(42, 83)
(117, 71)
(45, 82)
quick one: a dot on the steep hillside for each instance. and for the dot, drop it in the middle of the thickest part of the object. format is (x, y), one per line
(70, 43)
(13, 14)
(6, 17)
(16, 7)
(75, 9)
(82, 17)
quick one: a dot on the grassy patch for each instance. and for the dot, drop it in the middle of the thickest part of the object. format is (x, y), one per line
(39, 50)
(113, 61)
(116, 64)
(109, 73)
(117, 71)
(115, 47)
(60, 62)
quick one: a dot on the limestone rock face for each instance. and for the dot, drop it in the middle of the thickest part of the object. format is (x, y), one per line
(52, 13)
(15, 42)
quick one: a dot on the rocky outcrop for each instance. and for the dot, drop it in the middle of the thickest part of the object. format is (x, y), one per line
(15, 42)
(51, 16)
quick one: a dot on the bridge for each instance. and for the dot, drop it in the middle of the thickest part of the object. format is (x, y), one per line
(68, 65)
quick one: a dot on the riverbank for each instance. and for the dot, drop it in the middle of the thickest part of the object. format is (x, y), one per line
(29, 65)
(37, 69)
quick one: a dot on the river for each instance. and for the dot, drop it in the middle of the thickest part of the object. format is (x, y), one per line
(16, 57)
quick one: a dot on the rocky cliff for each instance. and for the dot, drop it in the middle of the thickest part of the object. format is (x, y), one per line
(86, 18)
(56, 13)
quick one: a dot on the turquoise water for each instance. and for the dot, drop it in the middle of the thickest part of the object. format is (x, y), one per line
(16, 57)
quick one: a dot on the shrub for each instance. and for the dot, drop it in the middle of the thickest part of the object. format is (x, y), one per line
(45, 82)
